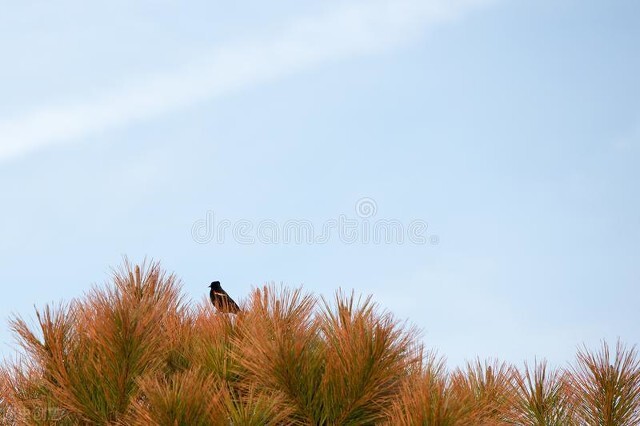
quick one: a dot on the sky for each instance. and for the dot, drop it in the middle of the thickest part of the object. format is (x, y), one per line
(472, 164)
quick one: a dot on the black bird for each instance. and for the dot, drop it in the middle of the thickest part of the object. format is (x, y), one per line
(221, 299)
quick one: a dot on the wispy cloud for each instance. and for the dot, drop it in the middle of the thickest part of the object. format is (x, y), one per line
(353, 29)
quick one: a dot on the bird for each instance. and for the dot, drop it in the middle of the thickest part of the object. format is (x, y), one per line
(221, 300)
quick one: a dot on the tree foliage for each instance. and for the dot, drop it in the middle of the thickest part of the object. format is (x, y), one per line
(135, 352)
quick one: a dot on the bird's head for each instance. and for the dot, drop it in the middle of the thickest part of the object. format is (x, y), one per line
(215, 285)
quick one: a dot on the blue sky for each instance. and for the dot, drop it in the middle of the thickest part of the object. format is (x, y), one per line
(511, 127)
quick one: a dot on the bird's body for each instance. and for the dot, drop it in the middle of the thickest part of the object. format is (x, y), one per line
(221, 299)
